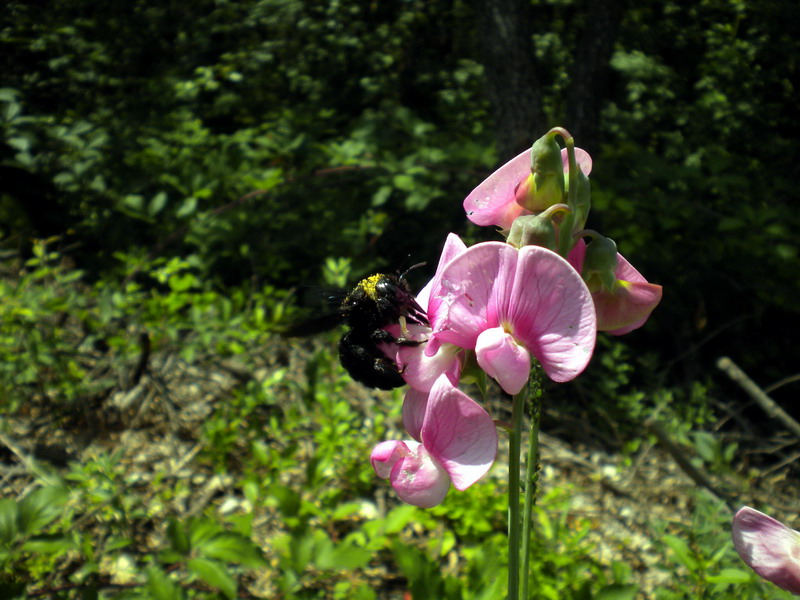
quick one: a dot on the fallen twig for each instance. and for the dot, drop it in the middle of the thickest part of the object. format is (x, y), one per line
(770, 407)
(685, 464)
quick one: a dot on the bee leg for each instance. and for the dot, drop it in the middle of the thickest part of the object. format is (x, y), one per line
(381, 335)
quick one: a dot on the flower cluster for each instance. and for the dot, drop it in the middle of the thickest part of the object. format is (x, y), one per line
(542, 294)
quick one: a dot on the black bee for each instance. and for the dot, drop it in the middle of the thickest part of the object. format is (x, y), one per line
(377, 301)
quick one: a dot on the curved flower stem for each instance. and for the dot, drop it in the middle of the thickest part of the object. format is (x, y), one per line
(531, 471)
(514, 448)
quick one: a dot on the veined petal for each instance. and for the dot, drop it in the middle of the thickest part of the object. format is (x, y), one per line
(460, 300)
(502, 358)
(769, 547)
(493, 202)
(414, 405)
(453, 246)
(551, 312)
(463, 302)
(459, 433)
(418, 478)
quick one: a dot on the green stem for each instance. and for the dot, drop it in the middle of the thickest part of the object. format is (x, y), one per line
(531, 472)
(514, 448)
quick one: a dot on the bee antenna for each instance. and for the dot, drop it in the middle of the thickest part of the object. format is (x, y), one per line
(411, 268)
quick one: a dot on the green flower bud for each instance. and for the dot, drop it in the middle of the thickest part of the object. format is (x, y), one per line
(601, 261)
(533, 230)
(546, 185)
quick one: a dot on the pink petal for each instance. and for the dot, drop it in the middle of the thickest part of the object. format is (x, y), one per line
(581, 157)
(414, 405)
(627, 308)
(385, 455)
(502, 358)
(453, 246)
(459, 433)
(459, 306)
(493, 202)
(418, 478)
(577, 255)
(769, 547)
(629, 305)
(551, 313)
(420, 370)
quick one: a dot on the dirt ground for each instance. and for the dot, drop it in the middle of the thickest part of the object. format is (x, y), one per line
(154, 425)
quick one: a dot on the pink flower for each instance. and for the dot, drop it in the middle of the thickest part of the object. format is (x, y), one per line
(456, 441)
(768, 547)
(628, 304)
(507, 303)
(494, 202)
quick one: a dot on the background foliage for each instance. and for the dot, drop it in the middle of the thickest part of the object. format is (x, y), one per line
(173, 174)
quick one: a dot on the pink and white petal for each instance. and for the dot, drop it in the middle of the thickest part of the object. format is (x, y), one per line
(581, 157)
(414, 405)
(384, 456)
(419, 479)
(493, 202)
(459, 433)
(551, 313)
(463, 303)
(503, 359)
(626, 308)
(453, 246)
(420, 370)
(769, 547)
(457, 307)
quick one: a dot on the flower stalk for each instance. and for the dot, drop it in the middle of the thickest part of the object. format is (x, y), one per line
(514, 453)
(535, 393)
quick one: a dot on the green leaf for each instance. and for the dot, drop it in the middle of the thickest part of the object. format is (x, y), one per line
(134, 201)
(49, 544)
(178, 538)
(214, 574)
(232, 548)
(8, 521)
(343, 556)
(188, 206)
(706, 445)
(22, 144)
(39, 508)
(160, 586)
(157, 204)
(8, 94)
(201, 530)
(682, 552)
(730, 576)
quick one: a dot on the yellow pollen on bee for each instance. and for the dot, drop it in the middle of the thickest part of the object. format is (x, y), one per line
(369, 285)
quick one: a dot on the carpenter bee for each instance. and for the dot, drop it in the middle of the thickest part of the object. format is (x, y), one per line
(376, 302)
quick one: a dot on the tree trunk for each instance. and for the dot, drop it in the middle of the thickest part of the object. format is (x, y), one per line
(589, 78)
(505, 28)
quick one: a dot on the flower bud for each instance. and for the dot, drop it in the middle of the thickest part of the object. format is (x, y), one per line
(533, 230)
(600, 262)
(545, 186)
